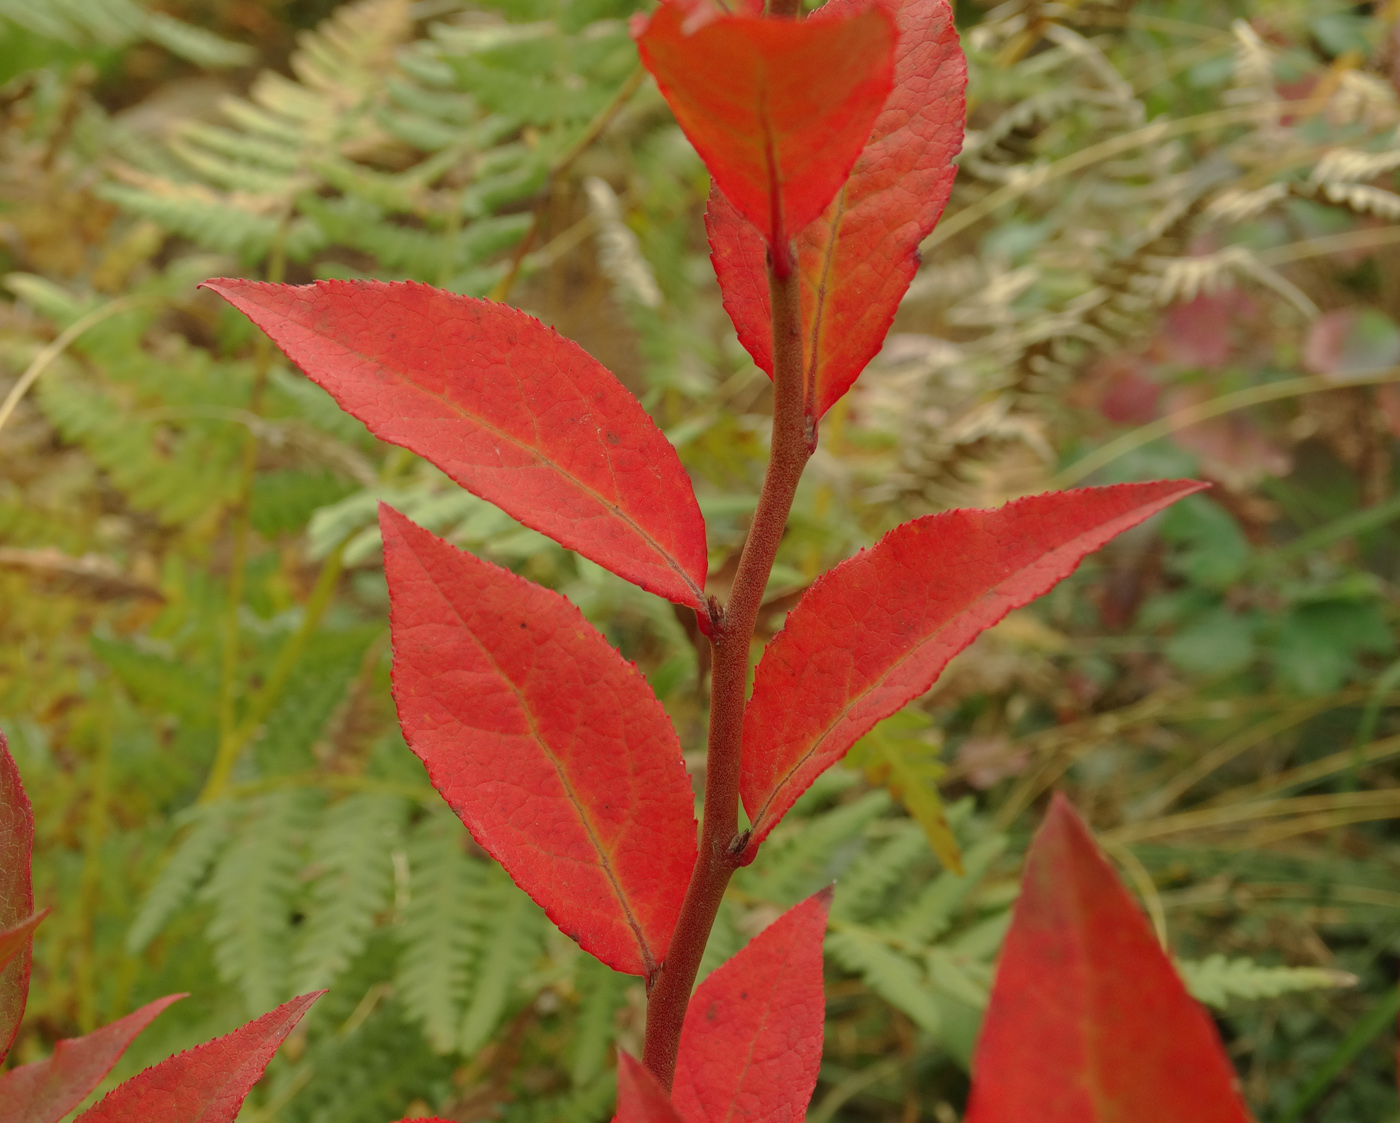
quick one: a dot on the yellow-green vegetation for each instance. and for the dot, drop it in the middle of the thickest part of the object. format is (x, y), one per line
(1169, 252)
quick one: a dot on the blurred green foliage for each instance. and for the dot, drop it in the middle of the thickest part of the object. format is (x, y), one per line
(1168, 252)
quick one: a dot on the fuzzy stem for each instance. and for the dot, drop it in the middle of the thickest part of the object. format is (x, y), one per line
(720, 842)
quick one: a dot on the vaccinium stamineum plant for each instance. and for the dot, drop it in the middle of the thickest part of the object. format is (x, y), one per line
(830, 141)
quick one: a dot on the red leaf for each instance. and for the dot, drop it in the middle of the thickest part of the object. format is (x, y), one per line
(505, 406)
(47, 1090)
(548, 745)
(206, 1084)
(778, 109)
(1088, 1021)
(16, 891)
(752, 1041)
(857, 259)
(640, 1098)
(16, 939)
(875, 632)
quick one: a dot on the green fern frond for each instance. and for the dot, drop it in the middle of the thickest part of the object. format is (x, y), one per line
(878, 869)
(172, 685)
(352, 848)
(193, 44)
(284, 499)
(982, 939)
(885, 971)
(236, 173)
(932, 913)
(439, 930)
(959, 977)
(187, 867)
(359, 224)
(353, 49)
(252, 890)
(245, 148)
(1216, 980)
(47, 298)
(899, 755)
(368, 1070)
(510, 942)
(602, 990)
(798, 863)
(194, 211)
(116, 23)
(181, 475)
(313, 694)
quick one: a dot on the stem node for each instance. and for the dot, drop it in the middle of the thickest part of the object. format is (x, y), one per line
(721, 841)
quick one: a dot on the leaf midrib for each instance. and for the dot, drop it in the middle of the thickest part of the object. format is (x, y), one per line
(406, 380)
(931, 637)
(604, 856)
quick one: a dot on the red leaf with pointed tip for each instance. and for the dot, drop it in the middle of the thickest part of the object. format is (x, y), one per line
(548, 745)
(751, 1045)
(1088, 1020)
(16, 891)
(206, 1084)
(640, 1098)
(778, 109)
(507, 407)
(857, 259)
(16, 939)
(47, 1090)
(875, 632)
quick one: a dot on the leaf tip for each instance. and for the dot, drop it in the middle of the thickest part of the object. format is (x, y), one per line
(640, 1096)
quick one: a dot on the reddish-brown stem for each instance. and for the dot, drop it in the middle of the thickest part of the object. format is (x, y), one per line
(793, 440)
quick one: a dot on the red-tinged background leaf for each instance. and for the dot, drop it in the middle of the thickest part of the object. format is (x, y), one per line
(15, 940)
(778, 109)
(1089, 1021)
(640, 1098)
(875, 632)
(507, 407)
(548, 745)
(206, 1084)
(751, 1045)
(47, 1090)
(857, 259)
(16, 891)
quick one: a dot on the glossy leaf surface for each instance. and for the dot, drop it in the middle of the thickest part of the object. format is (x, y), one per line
(856, 260)
(548, 745)
(875, 632)
(206, 1084)
(778, 109)
(16, 891)
(1088, 1020)
(507, 407)
(47, 1090)
(640, 1098)
(751, 1046)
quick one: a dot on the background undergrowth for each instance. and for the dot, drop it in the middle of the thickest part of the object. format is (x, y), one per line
(1171, 249)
